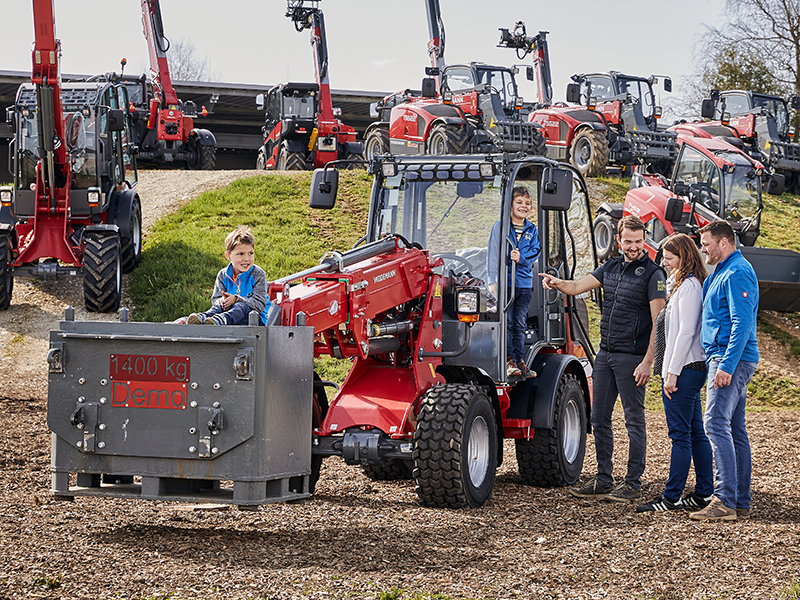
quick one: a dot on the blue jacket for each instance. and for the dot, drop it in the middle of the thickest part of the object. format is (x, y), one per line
(529, 249)
(730, 306)
(250, 286)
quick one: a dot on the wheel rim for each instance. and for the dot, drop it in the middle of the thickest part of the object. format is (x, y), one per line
(583, 153)
(137, 234)
(373, 148)
(571, 442)
(602, 237)
(478, 451)
(438, 145)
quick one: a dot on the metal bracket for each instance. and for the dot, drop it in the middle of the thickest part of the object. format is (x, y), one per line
(55, 357)
(243, 364)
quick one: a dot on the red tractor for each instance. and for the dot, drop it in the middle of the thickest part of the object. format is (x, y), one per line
(302, 130)
(465, 108)
(614, 124)
(73, 208)
(756, 123)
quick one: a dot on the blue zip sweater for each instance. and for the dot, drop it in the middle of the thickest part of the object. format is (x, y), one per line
(730, 306)
(250, 286)
(529, 249)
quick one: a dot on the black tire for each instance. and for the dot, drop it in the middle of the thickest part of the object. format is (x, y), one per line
(455, 447)
(605, 237)
(448, 140)
(132, 244)
(539, 144)
(319, 410)
(554, 457)
(102, 271)
(261, 161)
(791, 182)
(377, 143)
(6, 278)
(353, 156)
(393, 469)
(207, 157)
(589, 152)
(291, 161)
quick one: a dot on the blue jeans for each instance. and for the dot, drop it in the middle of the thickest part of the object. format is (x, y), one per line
(725, 427)
(235, 315)
(612, 376)
(518, 322)
(685, 425)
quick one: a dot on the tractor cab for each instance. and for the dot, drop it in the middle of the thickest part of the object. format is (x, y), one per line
(622, 98)
(740, 102)
(498, 84)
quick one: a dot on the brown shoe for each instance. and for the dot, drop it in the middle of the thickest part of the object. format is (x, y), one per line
(591, 490)
(512, 370)
(743, 513)
(715, 511)
(525, 371)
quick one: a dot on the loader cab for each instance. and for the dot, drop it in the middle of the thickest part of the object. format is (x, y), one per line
(465, 79)
(460, 212)
(636, 92)
(740, 102)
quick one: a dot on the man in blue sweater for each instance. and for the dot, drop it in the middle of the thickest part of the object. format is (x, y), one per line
(730, 306)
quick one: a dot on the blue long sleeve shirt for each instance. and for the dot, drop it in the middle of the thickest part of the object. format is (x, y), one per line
(529, 248)
(730, 308)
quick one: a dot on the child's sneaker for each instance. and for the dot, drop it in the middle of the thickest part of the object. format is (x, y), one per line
(512, 370)
(525, 371)
(179, 321)
(215, 320)
(195, 319)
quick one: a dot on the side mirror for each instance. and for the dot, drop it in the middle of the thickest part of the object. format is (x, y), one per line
(794, 102)
(10, 119)
(431, 71)
(556, 191)
(777, 184)
(674, 210)
(260, 102)
(116, 120)
(469, 189)
(707, 109)
(429, 87)
(373, 110)
(324, 186)
(529, 73)
(573, 93)
(667, 84)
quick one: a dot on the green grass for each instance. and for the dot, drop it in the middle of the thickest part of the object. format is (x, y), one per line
(780, 222)
(787, 339)
(615, 187)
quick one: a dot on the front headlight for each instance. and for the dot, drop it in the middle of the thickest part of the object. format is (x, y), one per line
(470, 303)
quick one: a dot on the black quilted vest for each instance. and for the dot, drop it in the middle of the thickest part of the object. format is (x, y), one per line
(625, 324)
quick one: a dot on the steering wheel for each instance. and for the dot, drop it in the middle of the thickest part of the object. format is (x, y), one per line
(448, 256)
(705, 195)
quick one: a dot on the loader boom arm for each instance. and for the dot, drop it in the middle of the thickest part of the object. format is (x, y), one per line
(157, 46)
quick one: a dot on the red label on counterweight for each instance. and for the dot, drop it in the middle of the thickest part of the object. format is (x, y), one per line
(146, 367)
(148, 394)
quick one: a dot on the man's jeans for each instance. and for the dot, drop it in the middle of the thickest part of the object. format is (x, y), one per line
(612, 376)
(684, 416)
(725, 427)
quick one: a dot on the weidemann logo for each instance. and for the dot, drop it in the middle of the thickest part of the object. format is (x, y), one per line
(384, 276)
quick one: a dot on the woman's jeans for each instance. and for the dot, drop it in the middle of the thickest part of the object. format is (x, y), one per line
(685, 425)
(725, 427)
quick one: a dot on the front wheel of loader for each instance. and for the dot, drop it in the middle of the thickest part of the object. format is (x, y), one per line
(605, 237)
(377, 143)
(132, 244)
(291, 161)
(589, 152)
(6, 278)
(455, 447)
(448, 140)
(102, 271)
(554, 457)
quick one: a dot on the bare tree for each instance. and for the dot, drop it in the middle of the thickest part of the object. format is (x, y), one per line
(184, 65)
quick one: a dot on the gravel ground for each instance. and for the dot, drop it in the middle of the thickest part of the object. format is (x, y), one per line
(358, 538)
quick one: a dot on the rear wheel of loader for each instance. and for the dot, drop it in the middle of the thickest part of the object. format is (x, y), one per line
(353, 156)
(455, 447)
(394, 469)
(605, 237)
(6, 279)
(554, 457)
(539, 144)
(261, 161)
(589, 152)
(102, 271)
(132, 244)
(377, 143)
(448, 140)
(291, 161)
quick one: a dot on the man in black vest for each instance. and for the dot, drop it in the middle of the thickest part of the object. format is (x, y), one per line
(634, 289)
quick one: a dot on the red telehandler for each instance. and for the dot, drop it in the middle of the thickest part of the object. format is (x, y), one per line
(73, 209)
(465, 108)
(427, 395)
(164, 126)
(302, 130)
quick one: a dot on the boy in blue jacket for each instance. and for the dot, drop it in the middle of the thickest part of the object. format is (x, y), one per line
(524, 251)
(240, 287)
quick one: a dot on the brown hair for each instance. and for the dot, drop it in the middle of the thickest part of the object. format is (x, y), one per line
(690, 261)
(630, 223)
(520, 190)
(240, 235)
(719, 230)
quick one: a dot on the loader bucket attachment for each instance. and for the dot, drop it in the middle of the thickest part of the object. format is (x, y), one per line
(778, 272)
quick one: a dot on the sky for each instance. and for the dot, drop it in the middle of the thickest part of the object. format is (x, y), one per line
(376, 45)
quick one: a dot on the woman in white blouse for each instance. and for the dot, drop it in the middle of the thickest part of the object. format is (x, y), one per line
(681, 362)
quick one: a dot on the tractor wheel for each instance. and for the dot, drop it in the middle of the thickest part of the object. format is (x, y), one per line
(377, 143)
(448, 140)
(132, 245)
(605, 237)
(102, 271)
(790, 182)
(207, 157)
(318, 412)
(6, 278)
(261, 161)
(589, 152)
(291, 161)
(393, 469)
(352, 156)
(554, 457)
(539, 144)
(455, 447)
